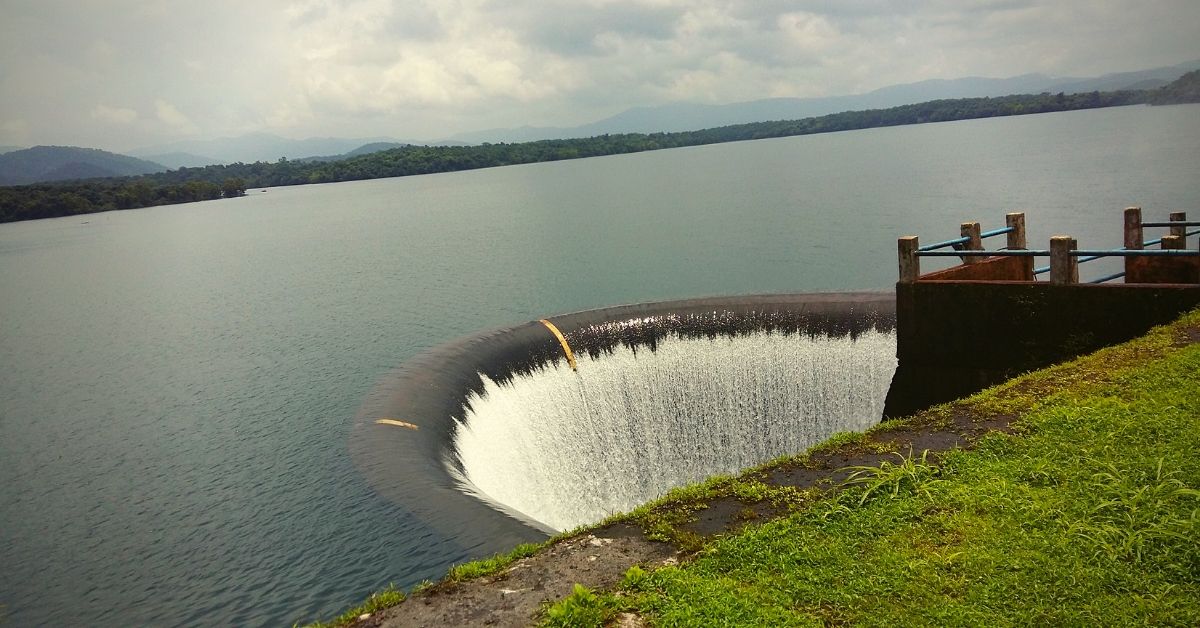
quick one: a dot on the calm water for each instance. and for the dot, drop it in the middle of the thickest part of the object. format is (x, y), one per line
(178, 382)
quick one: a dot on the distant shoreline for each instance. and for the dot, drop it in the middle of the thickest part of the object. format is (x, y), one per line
(57, 199)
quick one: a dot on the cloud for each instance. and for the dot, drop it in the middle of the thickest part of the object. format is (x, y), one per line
(114, 115)
(15, 131)
(174, 119)
(518, 62)
(425, 69)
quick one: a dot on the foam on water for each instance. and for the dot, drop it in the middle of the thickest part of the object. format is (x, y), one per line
(567, 448)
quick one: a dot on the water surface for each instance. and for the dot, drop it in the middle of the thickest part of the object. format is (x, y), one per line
(178, 382)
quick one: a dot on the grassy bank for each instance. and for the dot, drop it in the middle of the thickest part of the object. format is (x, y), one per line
(1088, 515)
(1086, 512)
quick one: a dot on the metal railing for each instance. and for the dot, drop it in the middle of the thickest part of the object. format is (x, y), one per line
(963, 240)
(1064, 254)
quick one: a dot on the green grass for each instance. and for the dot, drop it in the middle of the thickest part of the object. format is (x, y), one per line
(380, 600)
(495, 564)
(392, 596)
(583, 607)
(1089, 516)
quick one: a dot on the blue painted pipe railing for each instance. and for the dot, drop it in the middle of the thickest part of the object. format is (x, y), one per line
(1000, 253)
(1177, 223)
(995, 232)
(942, 245)
(1142, 253)
(1108, 277)
(932, 250)
(963, 240)
(1088, 254)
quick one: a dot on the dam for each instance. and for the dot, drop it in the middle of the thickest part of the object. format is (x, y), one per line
(554, 424)
(560, 422)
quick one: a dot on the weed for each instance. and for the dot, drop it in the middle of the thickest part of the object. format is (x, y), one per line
(635, 579)
(1139, 513)
(909, 475)
(583, 608)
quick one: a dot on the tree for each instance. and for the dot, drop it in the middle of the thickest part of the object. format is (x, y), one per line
(233, 187)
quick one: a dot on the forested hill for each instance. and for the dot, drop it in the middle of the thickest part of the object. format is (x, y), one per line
(59, 163)
(1186, 89)
(191, 184)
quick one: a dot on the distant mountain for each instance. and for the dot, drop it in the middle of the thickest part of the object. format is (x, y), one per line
(9, 149)
(178, 160)
(365, 149)
(1141, 79)
(689, 116)
(58, 163)
(1185, 89)
(373, 147)
(259, 147)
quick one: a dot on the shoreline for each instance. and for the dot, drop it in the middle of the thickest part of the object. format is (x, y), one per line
(669, 534)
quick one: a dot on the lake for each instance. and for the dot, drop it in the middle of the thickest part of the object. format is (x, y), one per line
(179, 382)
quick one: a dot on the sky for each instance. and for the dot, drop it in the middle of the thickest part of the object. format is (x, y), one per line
(124, 74)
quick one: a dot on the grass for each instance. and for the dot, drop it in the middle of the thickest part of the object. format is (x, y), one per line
(379, 600)
(583, 607)
(392, 596)
(489, 566)
(1089, 515)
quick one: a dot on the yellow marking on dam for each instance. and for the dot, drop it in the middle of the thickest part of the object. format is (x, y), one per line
(562, 341)
(396, 423)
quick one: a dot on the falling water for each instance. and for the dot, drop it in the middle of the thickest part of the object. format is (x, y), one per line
(567, 448)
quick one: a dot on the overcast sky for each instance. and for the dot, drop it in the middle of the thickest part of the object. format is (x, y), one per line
(119, 74)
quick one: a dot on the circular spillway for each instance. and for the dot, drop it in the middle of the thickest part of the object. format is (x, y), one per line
(558, 423)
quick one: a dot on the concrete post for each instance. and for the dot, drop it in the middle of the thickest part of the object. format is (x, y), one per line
(1178, 230)
(910, 264)
(1133, 228)
(1017, 242)
(975, 243)
(1016, 237)
(1064, 269)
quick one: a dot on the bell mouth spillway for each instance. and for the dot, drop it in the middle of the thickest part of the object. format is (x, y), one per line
(498, 437)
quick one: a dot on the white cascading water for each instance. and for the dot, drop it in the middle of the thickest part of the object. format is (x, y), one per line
(569, 448)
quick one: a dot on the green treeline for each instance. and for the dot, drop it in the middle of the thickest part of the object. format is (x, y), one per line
(50, 200)
(210, 182)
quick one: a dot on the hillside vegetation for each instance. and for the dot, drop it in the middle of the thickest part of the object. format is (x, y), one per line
(1184, 90)
(191, 184)
(61, 163)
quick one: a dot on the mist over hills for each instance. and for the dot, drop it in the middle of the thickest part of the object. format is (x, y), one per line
(690, 116)
(231, 180)
(55, 163)
(181, 160)
(676, 116)
(61, 163)
(652, 119)
(252, 147)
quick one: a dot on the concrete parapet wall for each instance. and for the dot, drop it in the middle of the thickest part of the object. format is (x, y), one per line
(958, 337)
(1162, 270)
(989, 269)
